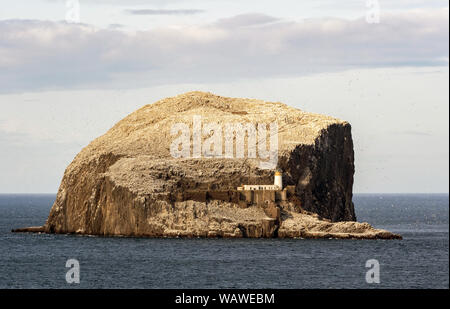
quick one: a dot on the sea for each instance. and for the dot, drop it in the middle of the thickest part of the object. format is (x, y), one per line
(419, 260)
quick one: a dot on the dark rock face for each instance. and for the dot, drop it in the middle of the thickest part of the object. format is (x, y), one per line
(127, 183)
(323, 174)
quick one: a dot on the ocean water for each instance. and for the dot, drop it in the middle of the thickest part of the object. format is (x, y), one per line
(420, 260)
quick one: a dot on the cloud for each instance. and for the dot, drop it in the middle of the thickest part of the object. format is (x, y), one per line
(38, 55)
(116, 26)
(244, 20)
(163, 12)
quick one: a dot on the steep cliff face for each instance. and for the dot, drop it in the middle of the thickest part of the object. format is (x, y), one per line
(126, 181)
(323, 173)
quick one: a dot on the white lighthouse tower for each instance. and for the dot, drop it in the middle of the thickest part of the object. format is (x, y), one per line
(278, 180)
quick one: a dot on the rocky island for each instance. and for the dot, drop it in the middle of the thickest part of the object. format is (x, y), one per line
(133, 181)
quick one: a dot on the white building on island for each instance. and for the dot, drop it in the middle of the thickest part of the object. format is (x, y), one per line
(277, 185)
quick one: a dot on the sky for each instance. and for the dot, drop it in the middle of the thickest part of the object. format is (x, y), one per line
(68, 75)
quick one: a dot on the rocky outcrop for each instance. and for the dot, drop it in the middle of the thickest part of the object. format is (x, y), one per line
(126, 182)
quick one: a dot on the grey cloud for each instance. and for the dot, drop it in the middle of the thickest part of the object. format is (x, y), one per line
(163, 12)
(244, 20)
(115, 26)
(36, 55)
